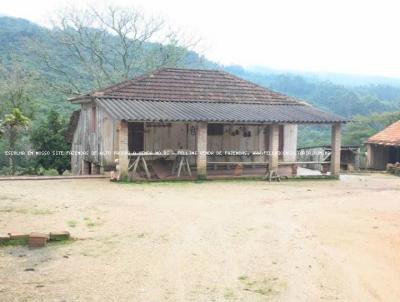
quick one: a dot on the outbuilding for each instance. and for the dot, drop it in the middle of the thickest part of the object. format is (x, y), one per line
(384, 147)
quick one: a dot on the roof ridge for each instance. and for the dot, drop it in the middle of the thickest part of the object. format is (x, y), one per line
(121, 98)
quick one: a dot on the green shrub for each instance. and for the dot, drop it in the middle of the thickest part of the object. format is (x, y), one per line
(51, 172)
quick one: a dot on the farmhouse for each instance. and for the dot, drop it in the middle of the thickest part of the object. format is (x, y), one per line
(384, 147)
(192, 122)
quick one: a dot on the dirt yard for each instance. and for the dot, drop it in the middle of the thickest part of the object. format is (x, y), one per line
(210, 241)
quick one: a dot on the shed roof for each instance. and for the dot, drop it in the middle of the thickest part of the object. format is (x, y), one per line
(164, 111)
(202, 95)
(389, 136)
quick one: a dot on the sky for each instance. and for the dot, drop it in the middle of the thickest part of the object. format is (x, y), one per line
(355, 37)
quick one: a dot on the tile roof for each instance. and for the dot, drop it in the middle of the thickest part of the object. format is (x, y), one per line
(388, 136)
(171, 84)
(167, 111)
(202, 95)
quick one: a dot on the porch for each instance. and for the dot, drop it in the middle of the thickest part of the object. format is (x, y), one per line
(197, 150)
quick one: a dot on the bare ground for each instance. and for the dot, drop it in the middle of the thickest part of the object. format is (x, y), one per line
(211, 241)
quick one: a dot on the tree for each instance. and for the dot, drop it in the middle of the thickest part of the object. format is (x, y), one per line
(110, 44)
(11, 126)
(50, 136)
(362, 127)
(17, 85)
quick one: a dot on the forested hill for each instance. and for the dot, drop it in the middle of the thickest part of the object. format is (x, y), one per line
(345, 100)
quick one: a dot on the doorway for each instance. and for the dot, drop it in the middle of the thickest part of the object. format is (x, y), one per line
(135, 137)
(394, 155)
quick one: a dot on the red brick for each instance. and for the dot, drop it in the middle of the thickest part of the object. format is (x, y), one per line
(38, 239)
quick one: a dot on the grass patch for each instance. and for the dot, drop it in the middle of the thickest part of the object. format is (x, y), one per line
(265, 287)
(189, 181)
(25, 211)
(14, 242)
(90, 223)
(224, 179)
(229, 294)
(14, 210)
(24, 242)
(41, 212)
(243, 277)
(72, 223)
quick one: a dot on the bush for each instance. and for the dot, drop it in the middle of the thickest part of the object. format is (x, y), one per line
(5, 171)
(50, 172)
(67, 173)
(50, 136)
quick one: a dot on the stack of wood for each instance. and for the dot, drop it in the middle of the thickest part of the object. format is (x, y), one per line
(393, 168)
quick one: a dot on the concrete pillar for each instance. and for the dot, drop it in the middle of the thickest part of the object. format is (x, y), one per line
(123, 149)
(336, 147)
(273, 147)
(289, 143)
(201, 144)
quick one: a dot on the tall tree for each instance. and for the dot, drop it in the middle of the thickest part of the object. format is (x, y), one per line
(111, 44)
(17, 85)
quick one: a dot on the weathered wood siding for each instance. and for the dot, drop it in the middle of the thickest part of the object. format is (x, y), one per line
(377, 156)
(100, 143)
(93, 144)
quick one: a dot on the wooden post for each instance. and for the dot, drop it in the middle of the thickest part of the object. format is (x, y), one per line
(336, 148)
(369, 156)
(273, 148)
(201, 161)
(123, 150)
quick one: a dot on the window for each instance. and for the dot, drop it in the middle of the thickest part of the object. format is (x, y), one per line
(215, 129)
(94, 119)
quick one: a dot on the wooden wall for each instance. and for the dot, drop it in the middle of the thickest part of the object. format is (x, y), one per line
(96, 135)
(377, 156)
(94, 140)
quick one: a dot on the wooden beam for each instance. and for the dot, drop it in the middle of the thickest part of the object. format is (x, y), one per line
(336, 141)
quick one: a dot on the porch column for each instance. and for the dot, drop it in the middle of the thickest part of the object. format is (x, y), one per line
(336, 147)
(123, 149)
(273, 147)
(289, 142)
(201, 144)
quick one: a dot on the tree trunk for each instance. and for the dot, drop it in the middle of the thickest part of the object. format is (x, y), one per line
(12, 142)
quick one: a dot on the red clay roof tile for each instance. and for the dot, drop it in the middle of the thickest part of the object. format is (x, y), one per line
(388, 136)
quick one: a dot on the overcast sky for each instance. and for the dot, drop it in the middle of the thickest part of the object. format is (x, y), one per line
(358, 37)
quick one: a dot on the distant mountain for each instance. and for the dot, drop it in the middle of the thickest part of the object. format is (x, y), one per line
(346, 100)
(335, 78)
